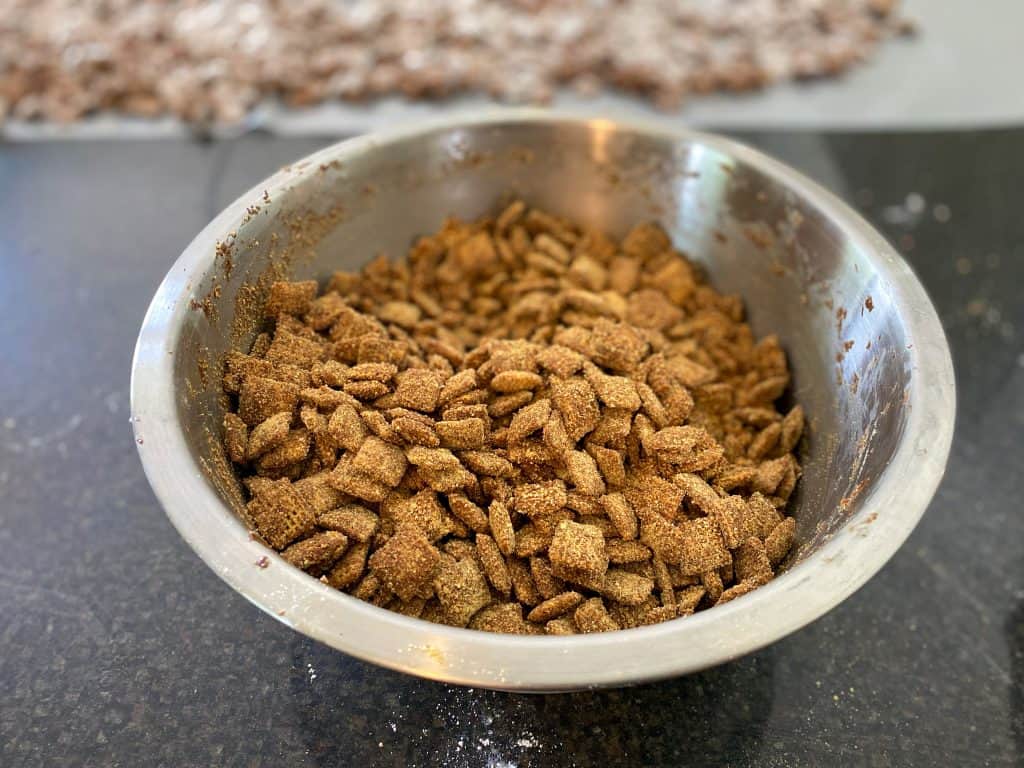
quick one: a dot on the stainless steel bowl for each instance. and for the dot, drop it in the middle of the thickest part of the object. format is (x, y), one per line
(870, 362)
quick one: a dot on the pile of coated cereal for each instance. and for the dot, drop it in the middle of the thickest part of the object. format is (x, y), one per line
(214, 60)
(522, 427)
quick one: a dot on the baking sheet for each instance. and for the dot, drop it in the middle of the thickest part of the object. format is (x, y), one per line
(958, 72)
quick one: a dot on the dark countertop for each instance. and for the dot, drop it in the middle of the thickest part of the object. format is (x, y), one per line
(119, 647)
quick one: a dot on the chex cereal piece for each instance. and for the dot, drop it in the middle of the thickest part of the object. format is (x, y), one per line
(548, 585)
(415, 431)
(780, 541)
(504, 618)
(737, 590)
(294, 349)
(563, 626)
(238, 366)
(688, 599)
(280, 514)
(620, 551)
(369, 589)
(462, 590)
(348, 480)
(561, 361)
(268, 434)
(380, 461)
(418, 389)
(663, 581)
(424, 510)
(494, 564)
(515, 381)
(293, 449)
(535, 499)
(326, 398)
(324, 311)
(523, 588)
(630, 616)
(585, 504)
(620, 512)
(414, 608)
(576, 402)
(531, 540)
(583, 473)
(577, 552)
(792, 429)
(625, 587)
(613, 391)
(593, 617)
(527, 420)
(382, 372)
(769, 474)
(659, 614)
(501, 527)
(318, 552)
(665, 539)
(487, 464)
(617, 346)
(612, 429)
(260, 398)
(698, 491)
(350, 567)
(610, 463)
(406, 562)
(650, 493)
(730, 513)
(290, 298)
(356, 522)
(761, 516)
(555, 606)
(316, 490)
(468, 512)
(459, 384)
(236, 438)
(463, 433)
(703, 547)
(366, 389)
(750, 562)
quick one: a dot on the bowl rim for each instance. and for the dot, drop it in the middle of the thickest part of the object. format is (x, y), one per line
(509, 662)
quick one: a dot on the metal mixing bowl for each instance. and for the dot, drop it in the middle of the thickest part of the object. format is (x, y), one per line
(870, 363)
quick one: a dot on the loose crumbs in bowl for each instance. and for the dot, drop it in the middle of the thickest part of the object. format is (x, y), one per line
(522, 427)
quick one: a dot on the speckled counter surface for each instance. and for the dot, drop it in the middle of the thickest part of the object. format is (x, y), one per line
(119, 647)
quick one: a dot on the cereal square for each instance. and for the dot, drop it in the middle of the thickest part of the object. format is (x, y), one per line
(280, 514)
(317, 553)
(418, 389)
(651, 493)
(260, 398)
(295, 350)
(577, 551)
(380, 461)
(703, 548)
(462, 590)
(406, 562)
(575, 400)
(290, 298)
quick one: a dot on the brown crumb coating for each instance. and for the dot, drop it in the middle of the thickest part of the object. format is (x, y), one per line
(578, 552)
(462, 590)
(318, 552)
(406, 562)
